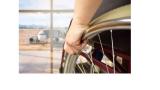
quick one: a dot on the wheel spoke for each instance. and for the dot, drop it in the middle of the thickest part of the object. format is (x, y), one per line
(92, 64)
(103, 52)
(82, 65)
(80, 68)
(113, 54)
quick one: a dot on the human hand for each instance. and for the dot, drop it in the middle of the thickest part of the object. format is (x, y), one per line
(73, 43)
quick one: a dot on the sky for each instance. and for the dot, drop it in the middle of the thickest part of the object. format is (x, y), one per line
(59, 19)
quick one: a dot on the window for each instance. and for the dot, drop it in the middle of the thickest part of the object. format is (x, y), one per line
(36, 17)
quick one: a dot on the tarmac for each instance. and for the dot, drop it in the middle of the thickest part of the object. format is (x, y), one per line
(39, 61)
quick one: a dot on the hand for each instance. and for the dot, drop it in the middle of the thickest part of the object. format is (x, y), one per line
(73, 43)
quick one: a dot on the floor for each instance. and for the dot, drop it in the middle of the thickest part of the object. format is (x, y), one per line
(33, 61)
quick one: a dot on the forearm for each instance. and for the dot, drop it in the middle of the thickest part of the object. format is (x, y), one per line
(84, 10)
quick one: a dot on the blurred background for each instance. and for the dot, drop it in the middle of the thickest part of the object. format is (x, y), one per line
(42, 28)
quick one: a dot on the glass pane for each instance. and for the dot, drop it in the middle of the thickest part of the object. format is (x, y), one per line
(34, 43)
(34, 4)
(34, 20)
(62, 19)
(63, 4)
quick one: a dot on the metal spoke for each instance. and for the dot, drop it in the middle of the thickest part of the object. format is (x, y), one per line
(92, 64)
(82, 65)
(113, 54)
(80, 68)
(103, 51)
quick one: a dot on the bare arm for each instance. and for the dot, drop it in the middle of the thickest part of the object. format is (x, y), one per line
(84, 10)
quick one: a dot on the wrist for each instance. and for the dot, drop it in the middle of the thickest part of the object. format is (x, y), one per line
(80, 21)
(76, 24)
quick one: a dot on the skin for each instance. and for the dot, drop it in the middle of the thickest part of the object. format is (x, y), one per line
(84, 10)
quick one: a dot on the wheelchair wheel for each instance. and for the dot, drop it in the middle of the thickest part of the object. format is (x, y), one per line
(107, 51)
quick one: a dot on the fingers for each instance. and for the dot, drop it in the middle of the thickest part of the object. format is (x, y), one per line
(74, 49)
(73, 38)
(70, 49)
